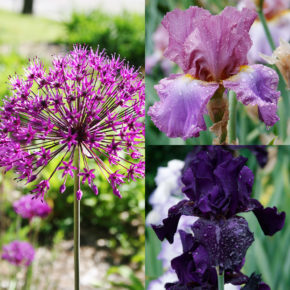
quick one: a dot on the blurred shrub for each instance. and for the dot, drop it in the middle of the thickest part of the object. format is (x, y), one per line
(9, 64)
(122, 34)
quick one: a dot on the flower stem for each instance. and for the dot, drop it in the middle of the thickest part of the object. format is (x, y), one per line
(76, 221)
(282, 83)
(265, 26)
(220, 279)
(232, 118)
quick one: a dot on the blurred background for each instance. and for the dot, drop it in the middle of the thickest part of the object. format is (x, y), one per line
(268, 256)
(112, 229)
(250, 130)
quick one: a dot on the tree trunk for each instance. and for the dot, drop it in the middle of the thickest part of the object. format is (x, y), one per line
(27, 7)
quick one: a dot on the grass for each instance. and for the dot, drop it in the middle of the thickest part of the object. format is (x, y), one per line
(17, 28)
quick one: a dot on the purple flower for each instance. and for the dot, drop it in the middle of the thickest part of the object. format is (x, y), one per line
(18, 253)
(212, 52)
(86, 101)
(160, 40)
(28, 207)
(218, 186)
(277, 15)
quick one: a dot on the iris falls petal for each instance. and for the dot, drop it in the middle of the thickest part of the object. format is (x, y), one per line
(183, 100)
(257, 85)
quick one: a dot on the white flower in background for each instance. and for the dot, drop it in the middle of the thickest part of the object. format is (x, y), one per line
(281, 58)
(167, 192)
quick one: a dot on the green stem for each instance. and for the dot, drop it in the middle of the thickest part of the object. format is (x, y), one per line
(265, 26)
(282, 84)
(232, 117)
(28, 278)
(76, 221)
(220, 280)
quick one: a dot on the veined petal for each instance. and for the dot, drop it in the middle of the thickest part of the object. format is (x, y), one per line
(257, 85)
(180, 25)
(183, 100)
(209, 47)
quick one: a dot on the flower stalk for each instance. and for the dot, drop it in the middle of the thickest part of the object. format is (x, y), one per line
(282, 83)
(220, 280)
(233, 118)
(218, 113)
(76, 220)
(265, 26)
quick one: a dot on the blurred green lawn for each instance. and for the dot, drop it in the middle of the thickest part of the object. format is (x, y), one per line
(17, 28)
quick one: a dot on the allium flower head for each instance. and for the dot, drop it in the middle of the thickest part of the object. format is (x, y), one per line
(18, 253)
(212, 52)
(29, 207)
(218, 186)
(86, 101)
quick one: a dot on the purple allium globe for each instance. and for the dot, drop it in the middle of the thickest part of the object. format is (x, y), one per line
(29, 207)
(218, 186)
(212, 52)
(18, 253)
(87, 103)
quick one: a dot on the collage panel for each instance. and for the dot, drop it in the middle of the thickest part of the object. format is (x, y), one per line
(217, 209)
(216, 72)
(72, 105)
(144, 144)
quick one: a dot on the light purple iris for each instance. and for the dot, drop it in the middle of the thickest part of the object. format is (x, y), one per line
(29, 207)
(18, 253)
(212, 52)
(277, 14)
(160, 40)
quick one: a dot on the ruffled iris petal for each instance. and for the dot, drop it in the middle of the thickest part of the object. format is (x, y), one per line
(257, 85)
(183, 100)
(180, 25)
(209, 47)
(269, 219)
(169, 226)
(218, 44)
(226, 241)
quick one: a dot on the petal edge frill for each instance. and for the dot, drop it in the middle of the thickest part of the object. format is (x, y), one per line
(183, 100)
(257, 85)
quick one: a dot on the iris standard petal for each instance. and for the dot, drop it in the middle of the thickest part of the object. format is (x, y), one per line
(183, 100)
(257, 85)
(218, 45)
(179, 25)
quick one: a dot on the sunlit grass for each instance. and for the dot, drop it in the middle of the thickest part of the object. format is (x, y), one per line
(17, 28)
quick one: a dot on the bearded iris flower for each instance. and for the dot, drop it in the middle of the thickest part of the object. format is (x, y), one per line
(212, 52)
(88, 104)
(218, 187)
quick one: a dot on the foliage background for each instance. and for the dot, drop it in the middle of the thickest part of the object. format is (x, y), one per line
(250, 130)
(269, 256)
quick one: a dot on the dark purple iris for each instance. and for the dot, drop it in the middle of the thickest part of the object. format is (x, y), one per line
(218, 186)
